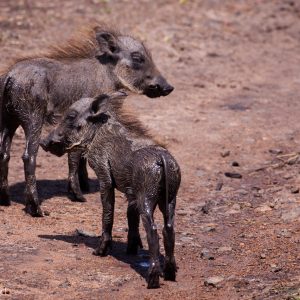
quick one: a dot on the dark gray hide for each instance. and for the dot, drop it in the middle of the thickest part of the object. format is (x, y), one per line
(34, 90)
(124, 156)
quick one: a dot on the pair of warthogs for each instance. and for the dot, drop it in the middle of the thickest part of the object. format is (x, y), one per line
(86, 79)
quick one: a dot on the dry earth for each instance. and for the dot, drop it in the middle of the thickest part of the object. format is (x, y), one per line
(235, 66)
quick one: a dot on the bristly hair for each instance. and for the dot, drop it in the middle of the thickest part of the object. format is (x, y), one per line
(131, 122)
(82, 44)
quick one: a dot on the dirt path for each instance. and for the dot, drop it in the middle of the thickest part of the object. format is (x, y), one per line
(235, 67)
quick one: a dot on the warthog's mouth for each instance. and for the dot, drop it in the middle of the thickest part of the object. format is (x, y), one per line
(56, 148)
(157, 91)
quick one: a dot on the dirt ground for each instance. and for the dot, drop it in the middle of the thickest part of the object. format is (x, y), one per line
(235, 68)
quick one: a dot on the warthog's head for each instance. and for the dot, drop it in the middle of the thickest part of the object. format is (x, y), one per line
(78, 126)
(132, 64)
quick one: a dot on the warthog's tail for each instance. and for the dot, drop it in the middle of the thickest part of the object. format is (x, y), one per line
(165, 167)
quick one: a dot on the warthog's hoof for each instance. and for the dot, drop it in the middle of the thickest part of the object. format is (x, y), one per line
(170, 270)
(154, 273)
(103, 247)
(153, 281)
(77, 198)
(75, 194)
(133, 245)
(33, 210)
(4, 198)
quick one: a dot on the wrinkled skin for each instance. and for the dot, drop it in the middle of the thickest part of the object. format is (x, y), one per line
(37, 89)
(125, 157)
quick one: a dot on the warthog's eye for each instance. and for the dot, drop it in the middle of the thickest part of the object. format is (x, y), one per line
(71, 115)
(137, 57)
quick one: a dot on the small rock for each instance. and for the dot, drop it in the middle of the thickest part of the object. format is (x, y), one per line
(263, 208)
(213, 281)
(242, 192)
(181, 213)
(206, 208)
(235, 164)
(275, 268)
(186, 239)
(275, 151)
(291, 214)
(225, 153)
(81, 232)
(284, 233)
(287, 176)
(219, 185)
(233, 175)
(224, 249)
(205, 254)
(46, 213)
(295, 190)
(209, 228)
(263, 256)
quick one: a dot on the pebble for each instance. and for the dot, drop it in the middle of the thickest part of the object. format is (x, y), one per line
(263, 208)
(224, 249)
(235, 164)
(291, 214)
(294, 190)
(275, 151)
(46, 213)
(209, 228)
(263, 256)
(242, 192)
(233, 175)
(81, 232)
(205, 254)
(219, 185)
(213, 281)
(275, 268)
(225, 153)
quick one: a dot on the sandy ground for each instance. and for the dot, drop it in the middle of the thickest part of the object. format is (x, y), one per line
(235, 68)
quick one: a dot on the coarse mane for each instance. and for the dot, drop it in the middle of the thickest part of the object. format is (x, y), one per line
(82, 44)
(131, 122)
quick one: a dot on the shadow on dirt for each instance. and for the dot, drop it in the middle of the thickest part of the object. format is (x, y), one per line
(139, 263)
(47, 189)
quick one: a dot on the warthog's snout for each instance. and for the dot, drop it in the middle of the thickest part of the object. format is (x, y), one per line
(158, 87)
(53, 145)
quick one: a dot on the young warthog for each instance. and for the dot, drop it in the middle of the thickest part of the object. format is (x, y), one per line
(124, 156)
(35, 89)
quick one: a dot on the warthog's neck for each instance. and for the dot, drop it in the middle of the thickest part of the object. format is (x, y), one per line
(82, 78)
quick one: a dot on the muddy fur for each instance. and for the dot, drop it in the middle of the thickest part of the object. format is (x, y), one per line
(124, 156)
(36, 89)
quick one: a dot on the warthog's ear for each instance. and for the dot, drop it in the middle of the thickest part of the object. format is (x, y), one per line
(96, 110)
(98, 118)
(108, 45)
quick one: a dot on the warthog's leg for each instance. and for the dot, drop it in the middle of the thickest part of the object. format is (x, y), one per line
(170, 268)
(146, 211)
(108, 203)
(6, 136)
(74, 159)
(133, 239)
(83, 175)
(32, 131)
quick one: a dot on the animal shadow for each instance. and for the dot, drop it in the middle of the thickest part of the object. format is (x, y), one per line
(139, 263)
(47, 189)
